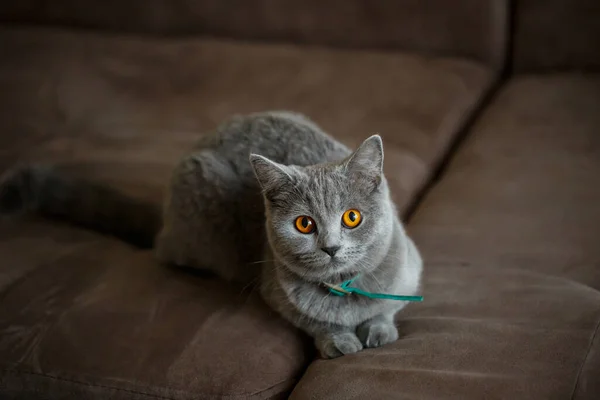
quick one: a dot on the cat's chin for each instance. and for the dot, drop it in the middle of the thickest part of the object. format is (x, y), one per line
(336, 274)
(333, 271)
(340, 277)
(336, 271)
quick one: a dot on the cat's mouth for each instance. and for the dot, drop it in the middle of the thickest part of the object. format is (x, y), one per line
(333, 271)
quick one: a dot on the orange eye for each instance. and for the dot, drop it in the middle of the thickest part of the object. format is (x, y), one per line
(351, 218)
(305, 224)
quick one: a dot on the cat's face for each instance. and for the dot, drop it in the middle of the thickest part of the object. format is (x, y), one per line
(328, 222)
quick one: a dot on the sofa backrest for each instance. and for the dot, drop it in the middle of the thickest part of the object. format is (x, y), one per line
(466, 28)
(556, 34)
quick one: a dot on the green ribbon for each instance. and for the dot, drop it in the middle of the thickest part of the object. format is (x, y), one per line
(344, 289)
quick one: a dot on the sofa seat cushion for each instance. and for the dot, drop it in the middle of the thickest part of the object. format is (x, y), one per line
(86, 317)
(124, 108)
(525, 189)
(512, 277)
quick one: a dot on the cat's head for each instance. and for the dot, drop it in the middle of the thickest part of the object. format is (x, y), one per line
(328, 222)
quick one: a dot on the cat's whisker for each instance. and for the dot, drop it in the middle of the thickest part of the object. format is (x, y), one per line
(368, 268)
(377, 282)
(260, 262)
(251, 283)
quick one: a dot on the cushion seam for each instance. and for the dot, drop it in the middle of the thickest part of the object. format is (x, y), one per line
(87, 383)
(150, 395)
(585, 359)
(461, 131)
(261, 391)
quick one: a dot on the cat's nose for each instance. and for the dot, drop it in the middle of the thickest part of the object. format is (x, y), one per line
(331, 250)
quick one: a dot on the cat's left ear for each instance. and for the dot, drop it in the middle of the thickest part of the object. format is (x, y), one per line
(367, 160)
(271, 175)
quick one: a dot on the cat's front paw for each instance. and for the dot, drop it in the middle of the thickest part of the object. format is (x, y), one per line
(376, 334)
(334, 345)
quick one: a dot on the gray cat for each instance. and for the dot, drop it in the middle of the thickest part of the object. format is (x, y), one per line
(269, 198)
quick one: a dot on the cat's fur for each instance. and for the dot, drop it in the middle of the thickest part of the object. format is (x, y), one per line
(231, 207)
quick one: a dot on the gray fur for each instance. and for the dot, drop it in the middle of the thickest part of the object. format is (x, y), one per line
(55, 194)
(301, 171)
(231, 207)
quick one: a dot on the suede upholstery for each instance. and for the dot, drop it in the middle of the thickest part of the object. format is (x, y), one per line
(556, 34)
(121, 110)
(87, 317)
(132, 106)
(466, 28)
(509, 235)
(497, 174)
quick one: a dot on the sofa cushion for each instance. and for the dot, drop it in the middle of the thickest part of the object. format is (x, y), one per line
(512, 277)
(556, 34)
(468, 28)
(124, 109)
(85, 317)
(90, 316)
(524, 190)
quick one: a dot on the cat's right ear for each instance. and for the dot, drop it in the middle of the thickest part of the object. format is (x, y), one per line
(271, 175)
(367, 161)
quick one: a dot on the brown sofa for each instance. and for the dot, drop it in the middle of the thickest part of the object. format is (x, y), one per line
(490, 114)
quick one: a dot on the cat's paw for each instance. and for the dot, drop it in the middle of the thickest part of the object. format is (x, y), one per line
(338, 344)
(376, 334)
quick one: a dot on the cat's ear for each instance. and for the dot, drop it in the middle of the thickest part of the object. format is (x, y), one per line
(270, 174)
(367, 161)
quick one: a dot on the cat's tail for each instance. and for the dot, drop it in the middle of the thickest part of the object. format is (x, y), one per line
(45, 191)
